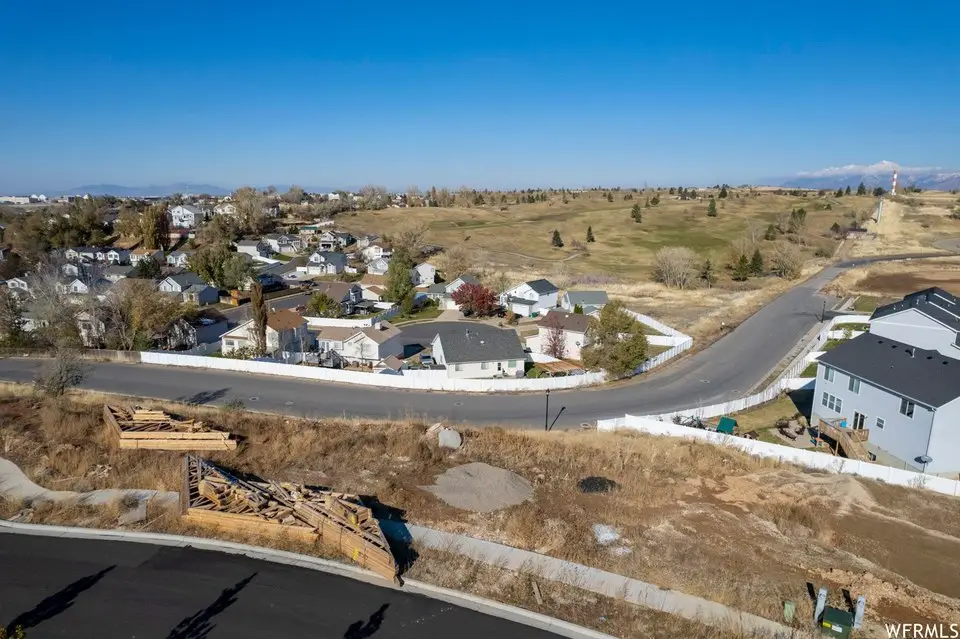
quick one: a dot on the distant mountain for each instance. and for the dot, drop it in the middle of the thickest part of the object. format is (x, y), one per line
(147, 191)
(874, 175)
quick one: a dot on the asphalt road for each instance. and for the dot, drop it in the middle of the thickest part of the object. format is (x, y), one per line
(59, 587)
(728, 369)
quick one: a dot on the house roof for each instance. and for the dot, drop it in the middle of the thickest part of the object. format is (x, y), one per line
(191, 208)
(186, 279)
(521, 301)
(197, 288)
(284, 320)
(467, 278)
(382, 334)
(119, 269)
(542, 287)
(935, 303)
(476, 344)
(334, 290)
(587, 298)
(146, 251)
(926, 377)
(392, 362)
(247, 243)
(332, 257)
(178, 253)
(333, 333)
(573, 322)
(436, 289)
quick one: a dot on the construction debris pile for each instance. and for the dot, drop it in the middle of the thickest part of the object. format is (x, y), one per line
(214, 497)
(154, 429)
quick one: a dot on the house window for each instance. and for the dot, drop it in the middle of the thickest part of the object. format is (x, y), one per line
(458, 367)
(906, 408)
(828, 373)
(880, 423)
(858, 421)
(484, 366)
(833, 403)
(512, 363)
(229, 343)
(854, 385)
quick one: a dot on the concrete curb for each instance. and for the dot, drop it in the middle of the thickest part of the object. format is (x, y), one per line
(463, 600)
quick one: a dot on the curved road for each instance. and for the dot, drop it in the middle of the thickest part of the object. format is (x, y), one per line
(728, 369)
(60, 587)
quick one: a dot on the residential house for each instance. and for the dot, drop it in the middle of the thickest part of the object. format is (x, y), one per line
(186, 333)
(283, 243)
(253, 248)
(371, 344)
(201, 294)
(186, 216)
(78, 286)
(588, 301)
(72, 269)
(560, 334)
(22, 287)
(225, 208)
(442, 292)
(927, 319)
(347, 293)
(179, 259)
(116, 272)
(391, 365)
(329, 339)
(479, 351)
(423, 274)
(373, 292)
(332, 240)
(309, 230)
(906, 398)
(147, 254)
(326, 263)
(365, 241)
(83, 253)
(529, 298)
(379, 266)
(179, 283)
(118, 256)
(375, 251)
(286, 332)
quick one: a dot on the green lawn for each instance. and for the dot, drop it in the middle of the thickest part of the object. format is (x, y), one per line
(810, 371)
(869, 303)
(280, 257)
(831, 344)
(424, 313)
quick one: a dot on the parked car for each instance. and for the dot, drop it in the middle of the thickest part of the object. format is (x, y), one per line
(427, 360)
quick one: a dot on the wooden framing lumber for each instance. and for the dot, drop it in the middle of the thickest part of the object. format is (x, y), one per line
(214, 497)
(155, 430)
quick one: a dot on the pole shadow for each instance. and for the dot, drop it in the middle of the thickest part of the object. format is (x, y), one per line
(198, 625)
(56, 603)
(360, 630)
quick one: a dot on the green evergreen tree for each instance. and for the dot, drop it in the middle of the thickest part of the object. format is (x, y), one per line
(636, 213)
(862, 189)
(712, 208)
(577, 309)
(839, 193)
(771, 233)
(741, 270)
(590, 237)
(756, 263)
(557, 240)
(847, 191)
(398, 274)
(707, 274)
(723, 192)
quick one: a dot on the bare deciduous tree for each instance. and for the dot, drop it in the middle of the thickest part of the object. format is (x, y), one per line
(410, 235)
(414, 197)
(676, 266)
(258, 311)
(61, 374)
(741, 246)
(249, 204)
(556, 343)
(455, 261)
(787, 260)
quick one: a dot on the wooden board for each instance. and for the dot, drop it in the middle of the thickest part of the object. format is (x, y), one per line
(178, 444)
(174, 435)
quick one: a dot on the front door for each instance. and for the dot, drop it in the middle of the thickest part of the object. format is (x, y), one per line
(859, 419)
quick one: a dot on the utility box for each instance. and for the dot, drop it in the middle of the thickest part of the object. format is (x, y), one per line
(727, 425)
(836, 623)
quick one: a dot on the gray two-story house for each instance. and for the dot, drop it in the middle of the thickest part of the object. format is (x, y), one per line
(907, 398)
(927, 319)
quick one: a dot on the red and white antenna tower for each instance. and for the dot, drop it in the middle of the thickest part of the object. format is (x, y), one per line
(893, 191)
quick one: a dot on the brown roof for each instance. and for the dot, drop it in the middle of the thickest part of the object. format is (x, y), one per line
(393, 362)
(573, 322)
(373, 280)
(379, 290)
(334, 333)
(284, 319)
(334, 290)
(385, 332)
(145, 251)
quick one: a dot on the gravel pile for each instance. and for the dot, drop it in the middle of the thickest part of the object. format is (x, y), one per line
(481, 488)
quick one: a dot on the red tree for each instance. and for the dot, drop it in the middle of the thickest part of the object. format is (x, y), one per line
(474, 299)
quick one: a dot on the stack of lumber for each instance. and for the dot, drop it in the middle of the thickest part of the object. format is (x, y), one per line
(154, 429)
(339, 521)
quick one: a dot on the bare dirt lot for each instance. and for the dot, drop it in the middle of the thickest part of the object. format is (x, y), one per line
(896, 279)
(696, 518)
(908, 225)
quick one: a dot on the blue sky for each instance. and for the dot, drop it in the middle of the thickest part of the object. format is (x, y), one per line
(485, 94)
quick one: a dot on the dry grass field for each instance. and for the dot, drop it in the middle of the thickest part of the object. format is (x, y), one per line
(704, 520)
(910, 224)
(893, 280)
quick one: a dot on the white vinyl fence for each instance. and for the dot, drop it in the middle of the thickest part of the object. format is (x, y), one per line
(789, 380)
(806, 458)
(410, 379)
(352, 323)
(677, 341)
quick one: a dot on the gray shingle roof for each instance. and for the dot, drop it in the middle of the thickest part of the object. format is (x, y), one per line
(935, 303)
(542, 287)
(573, 322)
(926, 377)
(588, 298)
(187, 279)
(479, 344)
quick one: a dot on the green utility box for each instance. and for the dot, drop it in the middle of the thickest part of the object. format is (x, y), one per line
(727, 425)
(836, 623)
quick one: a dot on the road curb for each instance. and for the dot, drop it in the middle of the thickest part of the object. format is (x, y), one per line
(463, 600)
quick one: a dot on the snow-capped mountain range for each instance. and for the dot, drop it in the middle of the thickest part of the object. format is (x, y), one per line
(873, 175)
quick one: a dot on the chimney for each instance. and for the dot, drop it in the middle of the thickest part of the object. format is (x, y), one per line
(912, 352)
(378, 326)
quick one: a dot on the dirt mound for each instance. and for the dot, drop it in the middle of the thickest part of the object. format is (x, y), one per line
(481, 488)
(843, 490)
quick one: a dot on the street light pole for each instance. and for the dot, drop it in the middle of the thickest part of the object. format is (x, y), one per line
(546, 413)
